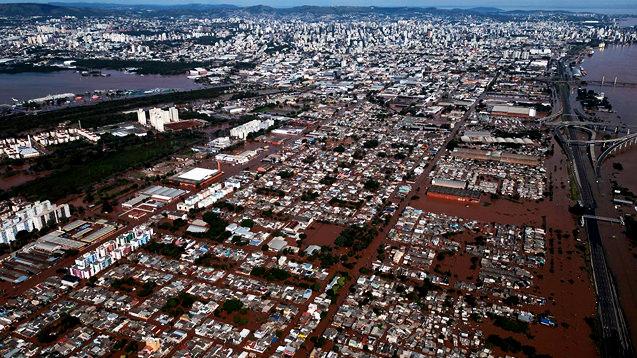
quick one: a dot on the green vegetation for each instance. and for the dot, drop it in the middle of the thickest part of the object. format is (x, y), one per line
(573, 190)
(326, 257)
(631, 228)
(222, 204)
(22, 238)
(143, 67)
(286, 174)
(346, 203)
(452, 144)
(174, 225)
(209, 260)
(339, 149)
(271, 273)
(232, 305)
(85, 166)
(356, 237)
(512, 300)
(270, 191)
(58, 328)
(169, 250)
(512, 325)
(512, 345)
(129, 347)
(309, 195)
(371, 143)
(420, 292)
(372, 185)
(332, 292)
(327, 180)
(128, 283)
(177, 305)
(28, 67)
(217, 230)
(247, 223)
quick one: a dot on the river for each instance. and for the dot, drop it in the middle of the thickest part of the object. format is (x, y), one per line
(29, 85)
(617, 61)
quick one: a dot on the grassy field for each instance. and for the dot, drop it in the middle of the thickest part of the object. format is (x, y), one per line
(84, 169)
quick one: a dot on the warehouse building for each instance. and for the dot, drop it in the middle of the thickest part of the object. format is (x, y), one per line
(447, 193)
(513, 111)
(198, 177)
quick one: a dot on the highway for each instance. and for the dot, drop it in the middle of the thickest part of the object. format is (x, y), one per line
(615, 338)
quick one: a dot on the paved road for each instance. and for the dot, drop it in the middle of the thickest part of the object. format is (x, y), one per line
(616, 340)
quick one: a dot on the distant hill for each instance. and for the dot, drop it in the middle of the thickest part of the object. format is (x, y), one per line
(29, 9)
(195, 9)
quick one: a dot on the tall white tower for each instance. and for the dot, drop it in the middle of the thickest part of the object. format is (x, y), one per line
(141, 116)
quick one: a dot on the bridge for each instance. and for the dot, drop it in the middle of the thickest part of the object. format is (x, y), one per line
(627, 142)
(614, 144)
(608, 84)
(603, 141)
(580, 82)
(619, 220)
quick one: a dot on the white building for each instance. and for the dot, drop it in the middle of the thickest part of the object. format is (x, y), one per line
(157, 117)
(141, 117)
(253, 126)
(30, 217)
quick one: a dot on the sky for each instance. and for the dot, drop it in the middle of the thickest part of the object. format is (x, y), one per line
(504, 4)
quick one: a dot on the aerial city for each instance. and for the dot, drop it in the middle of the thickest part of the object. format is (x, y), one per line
(318, 179)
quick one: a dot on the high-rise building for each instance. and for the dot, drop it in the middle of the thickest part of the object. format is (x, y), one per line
(158, 117)
(31, 217)
(141, 117)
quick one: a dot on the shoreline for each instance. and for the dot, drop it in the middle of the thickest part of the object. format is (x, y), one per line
(70, 81)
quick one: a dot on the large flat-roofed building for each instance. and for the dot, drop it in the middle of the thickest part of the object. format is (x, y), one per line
(497, 156)
(234, 159)
(449, 183)
(253, 126)
(513, 111)
(197, 177)
(162, 193)
(447, 193)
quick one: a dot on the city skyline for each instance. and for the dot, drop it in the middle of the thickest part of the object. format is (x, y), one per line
(328, 182)
(503, 4)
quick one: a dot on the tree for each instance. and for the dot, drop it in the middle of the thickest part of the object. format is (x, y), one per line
(372, 185)
(247, 223)
(371, 143)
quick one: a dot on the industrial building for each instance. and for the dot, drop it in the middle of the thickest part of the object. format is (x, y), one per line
(448, 193)
(449, 183)
(154, 196)
(234, 159)
(497, 156)
(513, 111)
(46, 251)
(198, 177)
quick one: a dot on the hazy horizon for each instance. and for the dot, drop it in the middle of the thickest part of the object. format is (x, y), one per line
(609, 6)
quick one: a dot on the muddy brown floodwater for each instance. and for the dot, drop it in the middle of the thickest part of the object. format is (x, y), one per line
(563, 281)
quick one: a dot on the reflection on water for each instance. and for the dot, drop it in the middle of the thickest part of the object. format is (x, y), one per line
(23, 86)
(616, 61)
